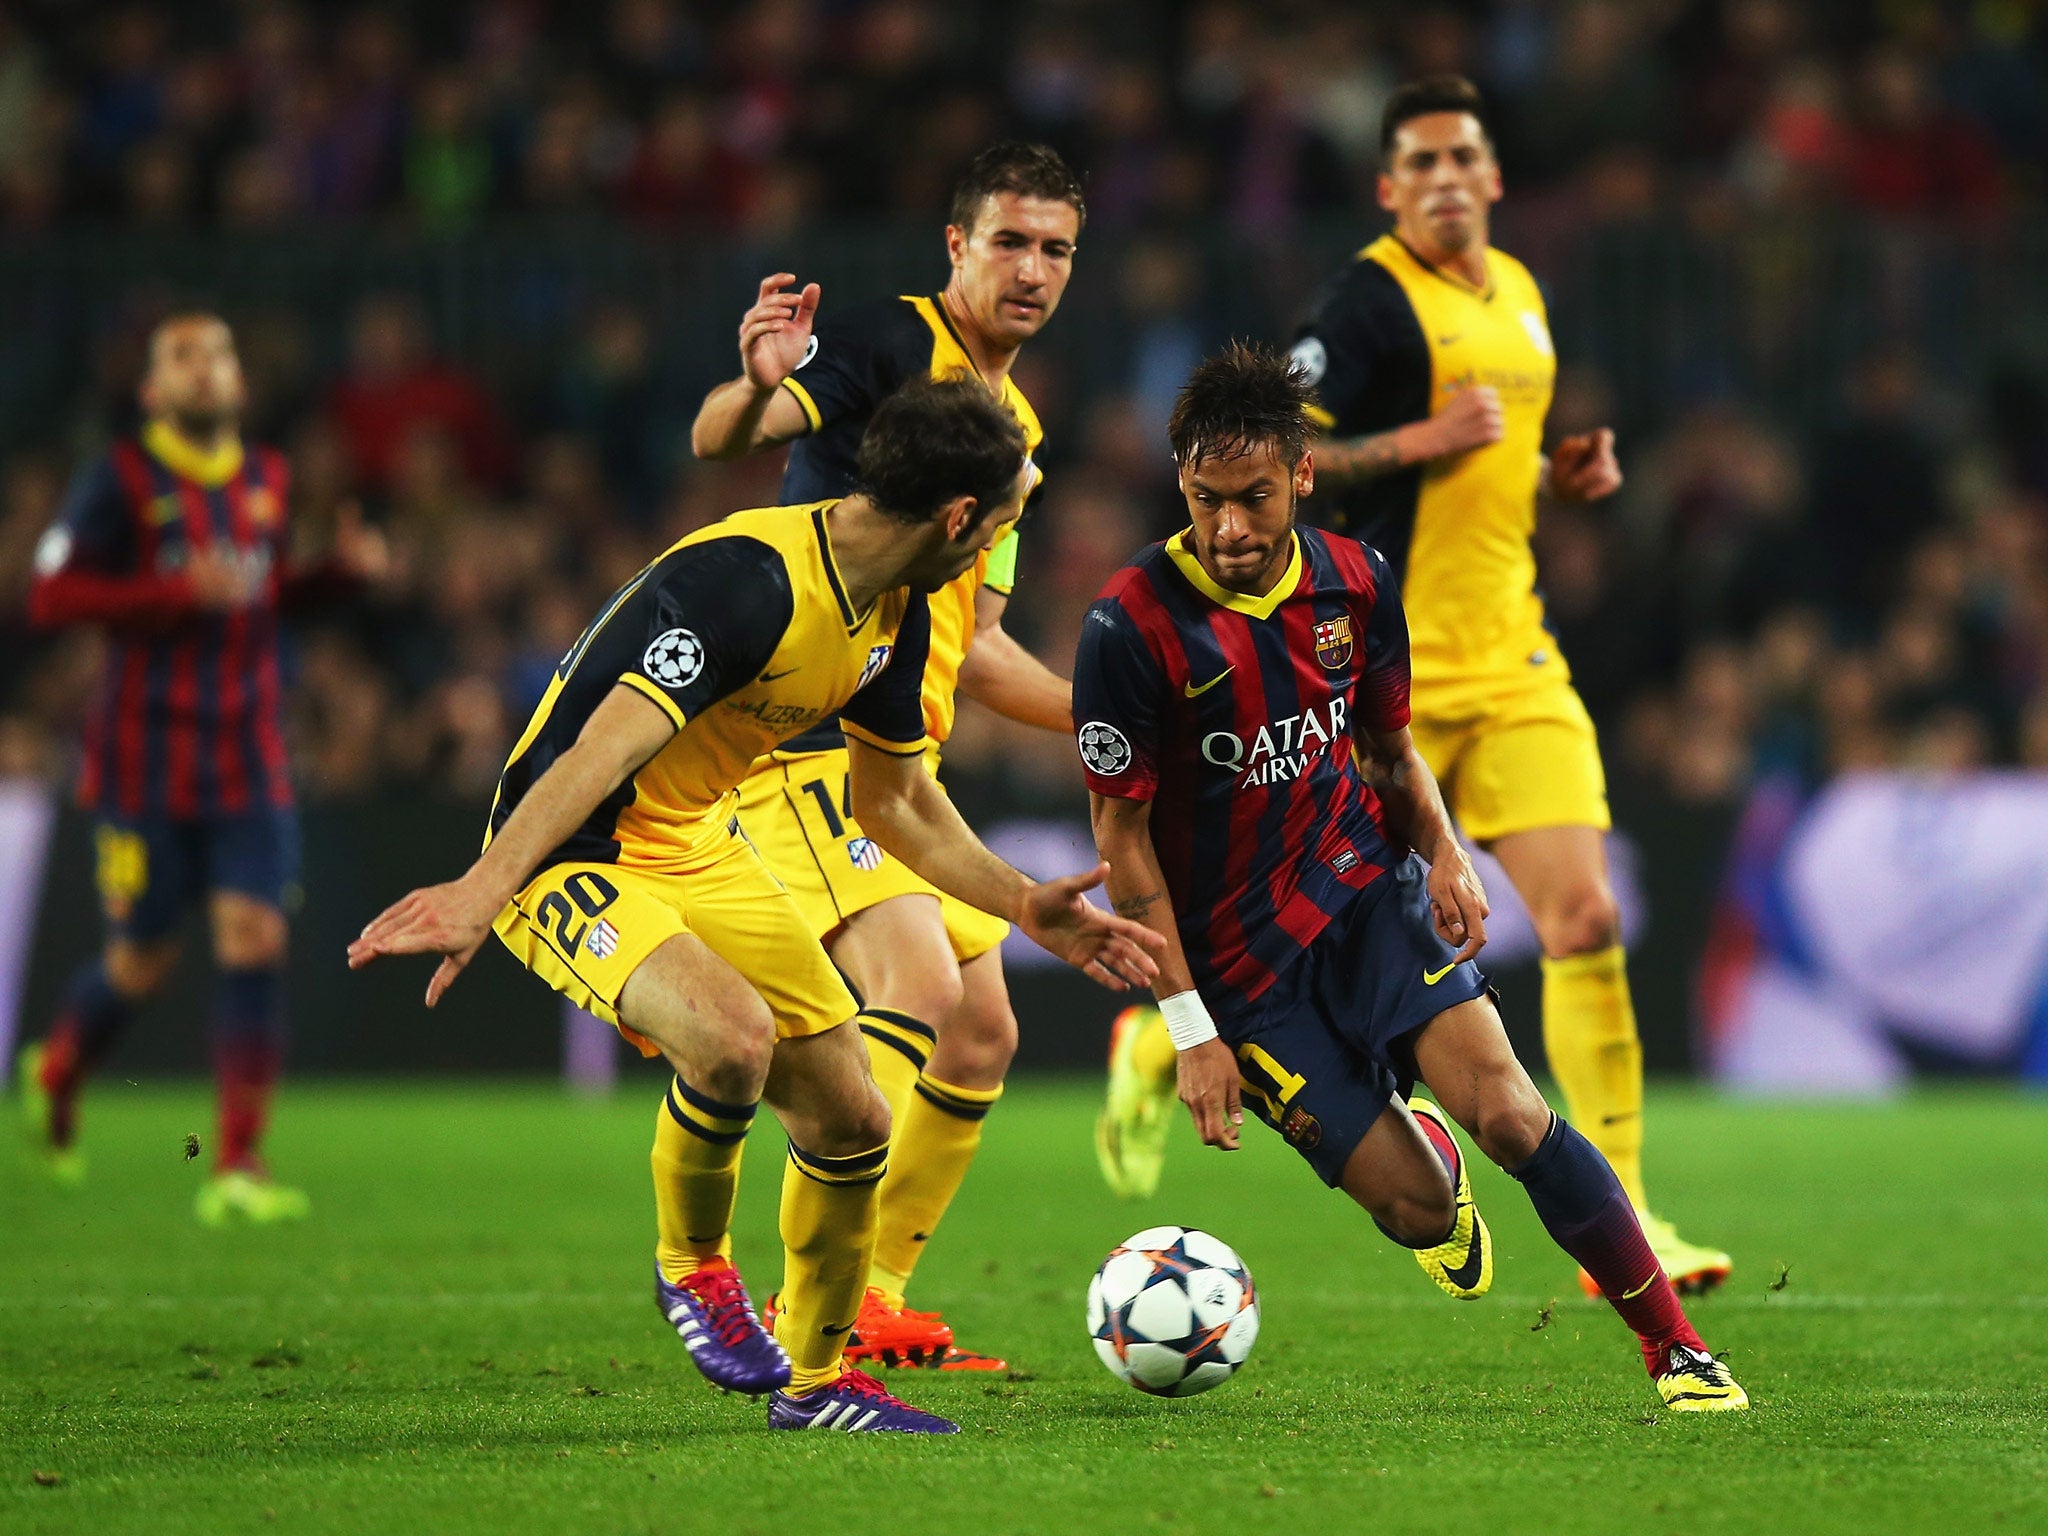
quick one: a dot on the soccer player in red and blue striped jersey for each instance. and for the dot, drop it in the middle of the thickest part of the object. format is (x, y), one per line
(1241, 699)
(174, 543)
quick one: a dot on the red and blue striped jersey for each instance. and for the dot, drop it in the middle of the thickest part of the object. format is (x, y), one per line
(1234, 716)
(188, 720)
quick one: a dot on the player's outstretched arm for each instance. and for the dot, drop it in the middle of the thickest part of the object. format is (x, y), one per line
(1416, 816)
(452, 920)
(1206, 1066)
(1001, 675)
(754, 411)
(1471, 418)
(901, 806)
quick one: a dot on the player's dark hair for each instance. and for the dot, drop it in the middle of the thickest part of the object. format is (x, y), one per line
(1432, 93)
(1028, 170)
(1235, 403)
(937, 439)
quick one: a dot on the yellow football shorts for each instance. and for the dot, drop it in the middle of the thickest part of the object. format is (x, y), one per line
(1514, 762)
(584, 928)
(799, 813)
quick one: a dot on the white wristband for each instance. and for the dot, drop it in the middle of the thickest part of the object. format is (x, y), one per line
(1187, 1020)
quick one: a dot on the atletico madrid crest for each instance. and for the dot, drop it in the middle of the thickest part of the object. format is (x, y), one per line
(1333, 642)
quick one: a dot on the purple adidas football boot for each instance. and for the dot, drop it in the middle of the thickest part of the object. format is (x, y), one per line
(857, 1404)
(711, 1312)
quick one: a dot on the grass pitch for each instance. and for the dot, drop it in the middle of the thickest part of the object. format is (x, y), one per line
(462, 1340)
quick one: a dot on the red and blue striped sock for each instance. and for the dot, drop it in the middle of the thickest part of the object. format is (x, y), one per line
(92, 1019)
(1584, 1209)
(248, 1050)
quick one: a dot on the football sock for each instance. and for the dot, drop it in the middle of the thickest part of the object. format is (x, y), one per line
(1585, 1210)
(933, 1142)
(1153, 1053)
(1589, 1034)
(898, 1048)
(828, 1238)
(248, 1050)
(696, 1159)
(92, 1018)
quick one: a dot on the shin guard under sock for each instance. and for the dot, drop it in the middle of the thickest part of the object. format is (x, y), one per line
(1587, 1213)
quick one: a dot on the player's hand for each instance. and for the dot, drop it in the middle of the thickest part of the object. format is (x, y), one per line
(1209, 1088)
(222, 581)
(1583, 468)
(776, 332)
(359, 549)
(1112, 950)
(1471, 418)
(450, 920)
(1457, 901)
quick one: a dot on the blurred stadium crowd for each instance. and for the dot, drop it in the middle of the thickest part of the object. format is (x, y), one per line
(1861, 582)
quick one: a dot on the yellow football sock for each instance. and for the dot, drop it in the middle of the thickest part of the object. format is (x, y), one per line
(1589, 1034)
(697, 1146)
(1153, 1052)
(933, 1142)
(828, 1238)
(898, 1048)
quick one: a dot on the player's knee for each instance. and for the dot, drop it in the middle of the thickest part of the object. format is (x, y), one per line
(746, 1046)
(929, 992)
(1583, 920)
(978, 1044)
(855, 1125)
(1511, 1124)
(250, 937)
(139, 970)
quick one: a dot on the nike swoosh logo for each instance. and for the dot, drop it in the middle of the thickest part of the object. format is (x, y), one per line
(833, 1330)
(1466, 1275)
(1627, 1114)
(1445, 341)
(769, 677)
(1431, 978)
(1632, 1295)
(1189, 690)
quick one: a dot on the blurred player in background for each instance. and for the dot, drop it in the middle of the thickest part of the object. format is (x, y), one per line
(1433, 367)
(938, 1018)
(175, 543)
(616, 869)
(1243, 698)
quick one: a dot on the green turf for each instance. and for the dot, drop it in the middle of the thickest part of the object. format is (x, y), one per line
(462, 1340)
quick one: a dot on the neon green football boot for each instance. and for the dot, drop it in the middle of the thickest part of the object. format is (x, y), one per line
(238, 1195)
(1462, 1264)
(1130, 1130)
(61, 1165)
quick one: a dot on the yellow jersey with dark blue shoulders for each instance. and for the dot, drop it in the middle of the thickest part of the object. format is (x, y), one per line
(858, 357)
(1388, 342)
(743, 635)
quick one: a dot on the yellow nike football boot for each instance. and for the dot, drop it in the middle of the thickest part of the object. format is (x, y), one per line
(61, 1165)
(1693, 1381)
(1462, 1264)
(1693, 1270)
(1130, 1131)
(238, 1196)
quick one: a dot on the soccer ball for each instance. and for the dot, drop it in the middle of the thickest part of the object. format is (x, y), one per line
(1172, 1311)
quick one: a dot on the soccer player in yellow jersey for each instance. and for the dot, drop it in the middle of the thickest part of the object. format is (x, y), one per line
(929, 969)
(1433, 367)
(615, 869)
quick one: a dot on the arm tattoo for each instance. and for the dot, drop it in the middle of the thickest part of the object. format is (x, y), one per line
(1135, 907)
(1359, 458)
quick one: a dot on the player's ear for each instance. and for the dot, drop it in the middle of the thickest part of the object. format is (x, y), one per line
(1385, 188)
(958, 518)
(1305, 473)
(956, 244)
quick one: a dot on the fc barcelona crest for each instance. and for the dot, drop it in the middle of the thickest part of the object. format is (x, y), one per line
(1333, 642)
